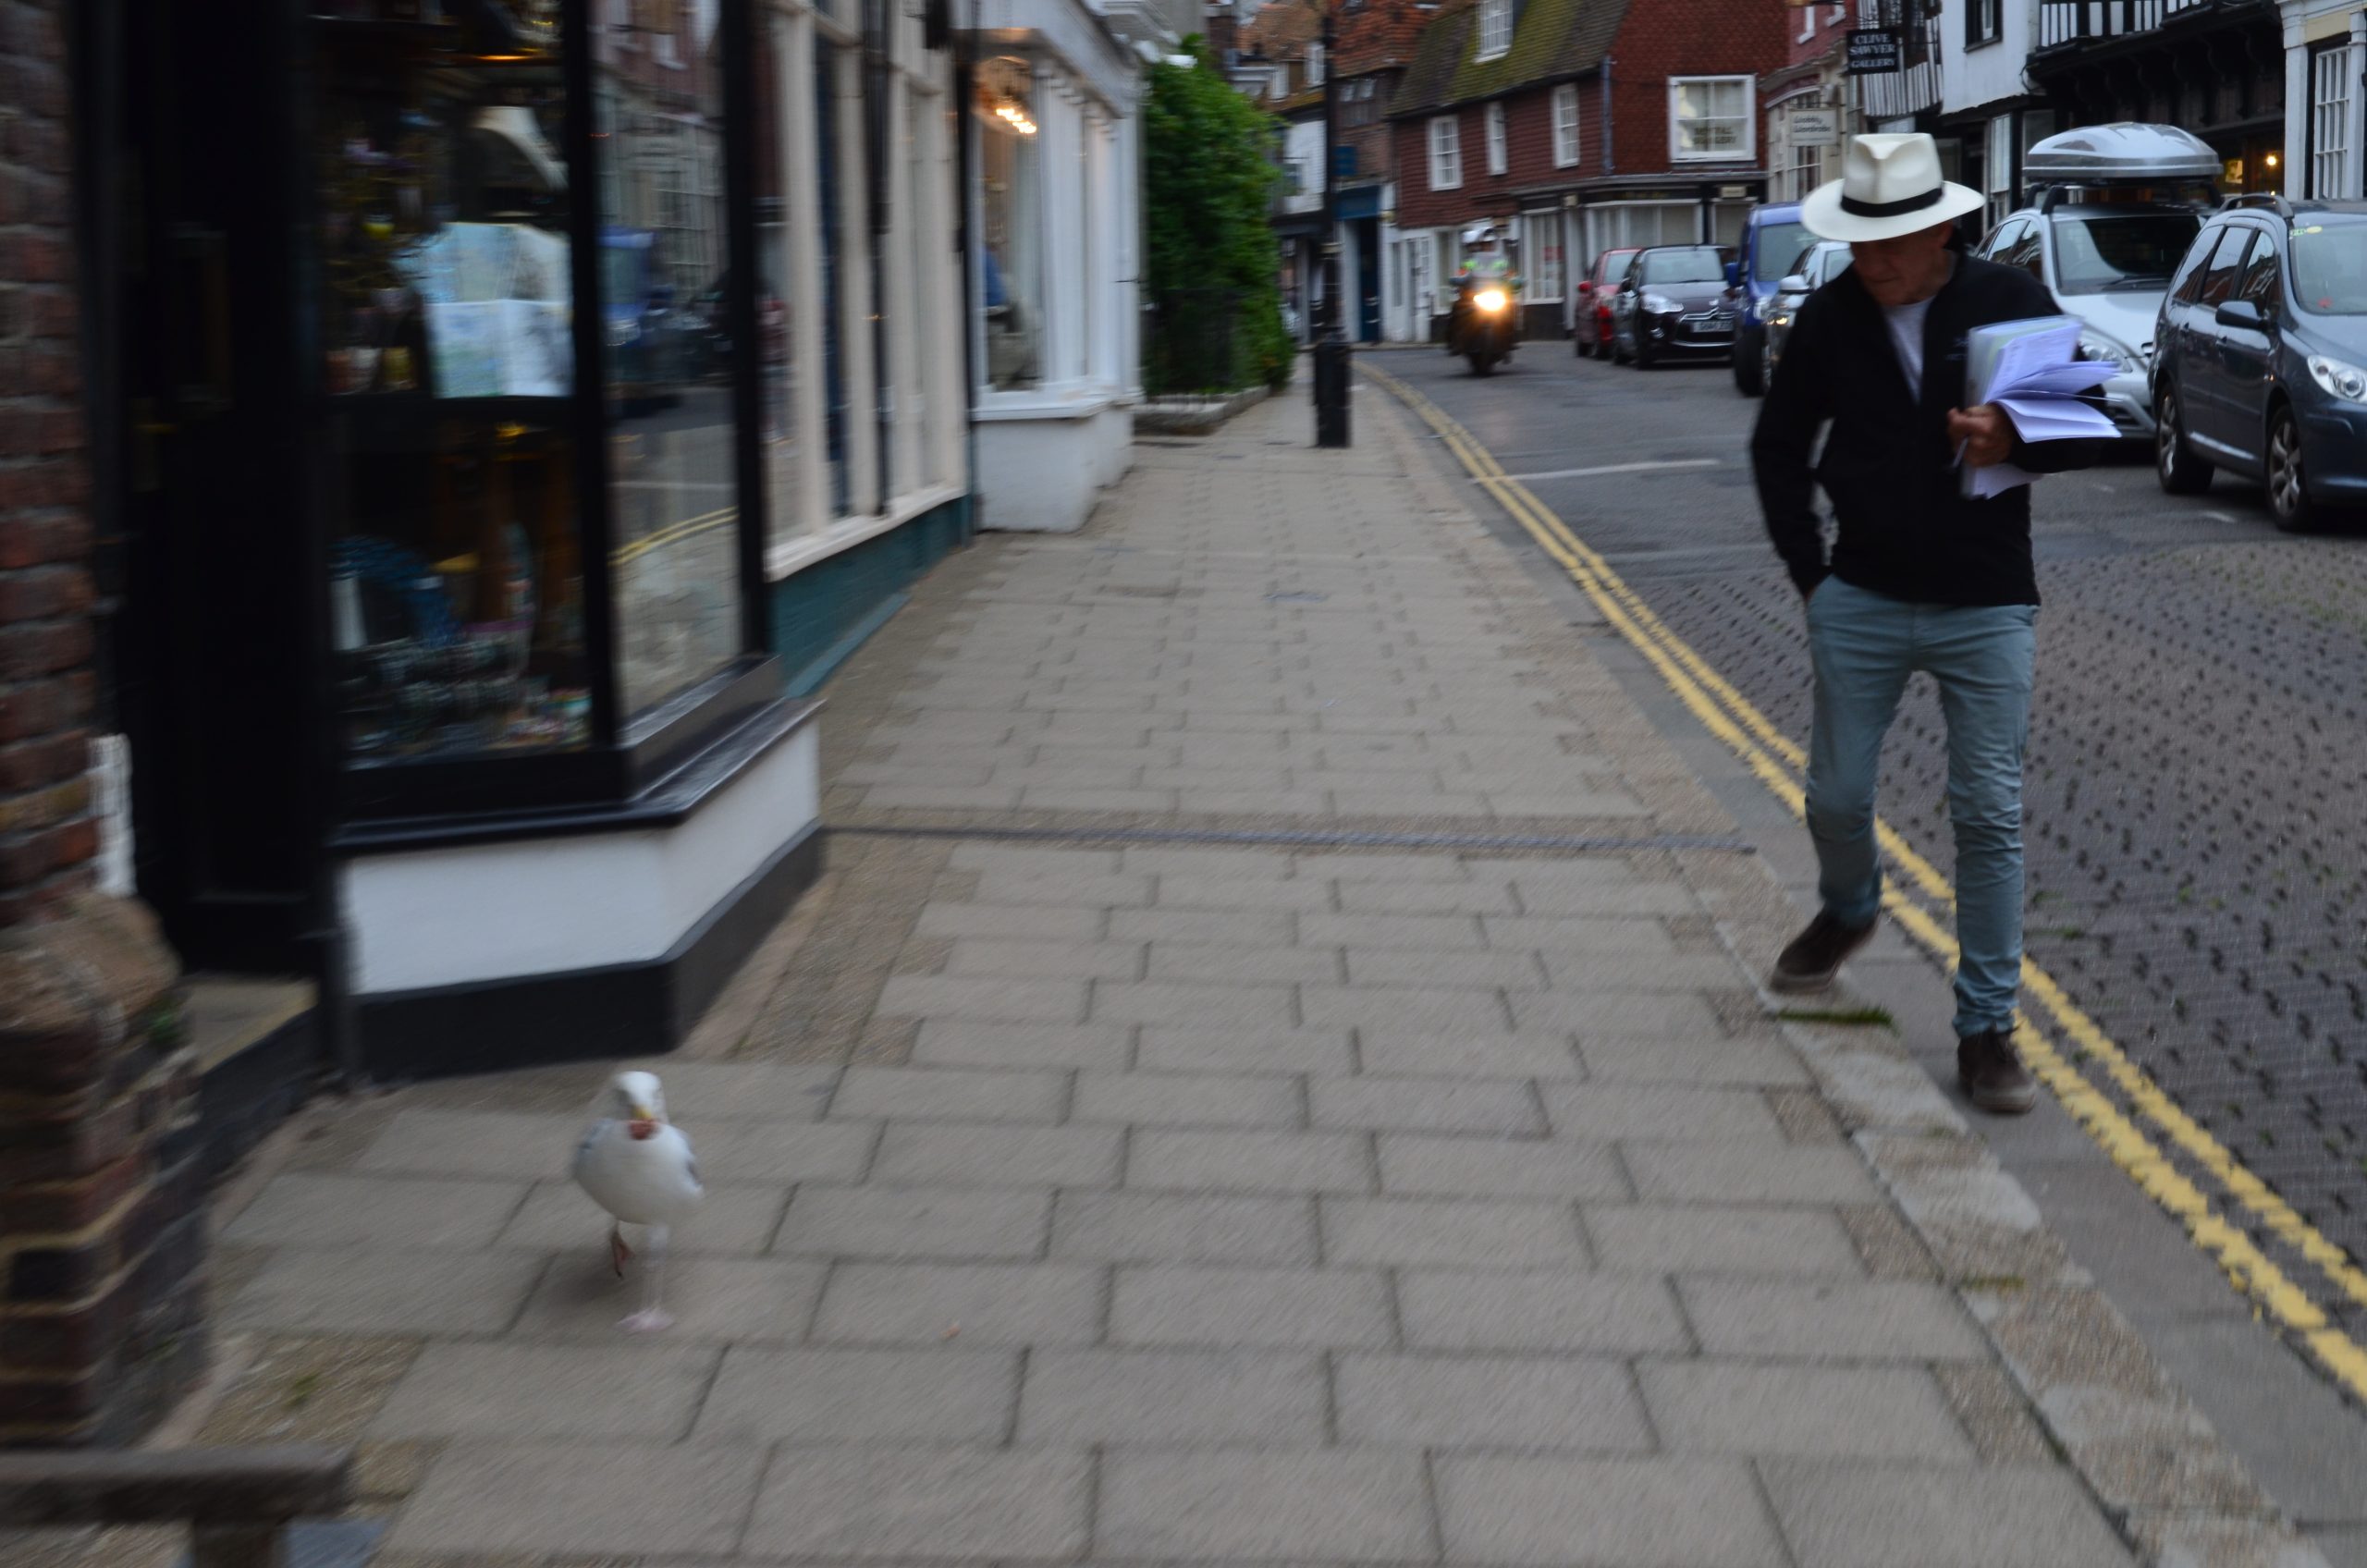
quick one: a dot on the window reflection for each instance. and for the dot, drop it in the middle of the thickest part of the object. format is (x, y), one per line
(773, 264)
(1010, 263)
(455, 590)
(664, 293)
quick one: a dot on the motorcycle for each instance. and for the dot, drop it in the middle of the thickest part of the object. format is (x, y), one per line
(1486, 323)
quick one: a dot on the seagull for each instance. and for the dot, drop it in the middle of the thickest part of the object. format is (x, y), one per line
(638, 1165)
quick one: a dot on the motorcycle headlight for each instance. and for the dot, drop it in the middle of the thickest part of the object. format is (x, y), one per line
(1661, 305)
(2094, 345)
(2345, 381)
(1491, 299)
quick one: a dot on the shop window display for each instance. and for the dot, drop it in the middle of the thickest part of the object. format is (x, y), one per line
(1010, 286)
(674, 502)
(457, 601)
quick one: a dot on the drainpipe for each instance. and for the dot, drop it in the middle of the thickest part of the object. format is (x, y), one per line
(1610, 164)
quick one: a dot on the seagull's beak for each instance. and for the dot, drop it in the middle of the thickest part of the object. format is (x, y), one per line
(644, 1123)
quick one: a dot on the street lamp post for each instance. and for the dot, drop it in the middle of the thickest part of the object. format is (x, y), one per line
(1331, 345)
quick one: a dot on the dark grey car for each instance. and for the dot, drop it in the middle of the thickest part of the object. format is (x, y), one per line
(2260, 360)
(1671, 305)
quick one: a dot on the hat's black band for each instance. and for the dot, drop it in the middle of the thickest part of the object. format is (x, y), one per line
(1856, 208)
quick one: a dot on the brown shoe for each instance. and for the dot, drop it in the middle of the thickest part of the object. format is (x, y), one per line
(1994, 1074)
(1815, 956)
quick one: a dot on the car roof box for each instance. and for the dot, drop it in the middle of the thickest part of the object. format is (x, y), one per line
(2127, 153)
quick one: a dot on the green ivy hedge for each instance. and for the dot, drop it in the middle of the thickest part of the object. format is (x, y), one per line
(1209, 186)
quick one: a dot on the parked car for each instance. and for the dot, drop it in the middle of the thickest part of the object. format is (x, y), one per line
(2114, 208)
(1824, 261)
(1590, 333)
(1772, 239)
(2262, 361)
(1671, 304)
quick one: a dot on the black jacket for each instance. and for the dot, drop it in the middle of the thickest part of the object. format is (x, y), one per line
(1905, 529)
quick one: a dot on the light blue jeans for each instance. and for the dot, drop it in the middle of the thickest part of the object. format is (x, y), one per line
(1865, 645)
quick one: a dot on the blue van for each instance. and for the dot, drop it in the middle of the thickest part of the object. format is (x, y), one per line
(1773, 239)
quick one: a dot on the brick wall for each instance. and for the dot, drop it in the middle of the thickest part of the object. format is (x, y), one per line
(1659, 38)
(101, 1229)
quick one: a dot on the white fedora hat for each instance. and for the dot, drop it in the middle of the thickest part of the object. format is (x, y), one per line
(1890, 185)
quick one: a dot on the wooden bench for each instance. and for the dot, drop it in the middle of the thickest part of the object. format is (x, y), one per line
(236, 1501)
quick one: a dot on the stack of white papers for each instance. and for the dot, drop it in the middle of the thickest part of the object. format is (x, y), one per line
(2030, 370)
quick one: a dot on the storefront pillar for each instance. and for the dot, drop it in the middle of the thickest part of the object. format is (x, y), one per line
(102, 1241)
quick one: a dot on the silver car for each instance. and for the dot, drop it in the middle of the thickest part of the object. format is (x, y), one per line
(2112, 209)
(1818, 265)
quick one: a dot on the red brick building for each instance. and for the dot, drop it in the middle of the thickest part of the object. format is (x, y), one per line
(1579, 125)
(1803, 98)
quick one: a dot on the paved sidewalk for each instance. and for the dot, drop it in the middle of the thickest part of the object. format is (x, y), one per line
(1431, 1187)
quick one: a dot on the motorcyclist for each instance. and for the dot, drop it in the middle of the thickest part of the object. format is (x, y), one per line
(1484, 264)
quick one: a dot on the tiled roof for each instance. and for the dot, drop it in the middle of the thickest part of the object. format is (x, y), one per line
(1281, 30)
(1551, 40)
(1380, 34)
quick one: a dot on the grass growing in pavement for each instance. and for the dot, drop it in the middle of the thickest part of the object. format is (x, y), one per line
(1843, 1016)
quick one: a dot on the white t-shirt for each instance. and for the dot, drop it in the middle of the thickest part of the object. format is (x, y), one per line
(1906, 322)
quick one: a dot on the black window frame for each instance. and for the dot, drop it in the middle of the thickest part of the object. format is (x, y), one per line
(626, 754)
(2239, 234)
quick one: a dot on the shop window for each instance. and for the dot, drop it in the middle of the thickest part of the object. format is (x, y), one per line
(777, 428)
(673, 505)
(1010, 260)
(448, 361)
(1708, 118)
(830, 189)
(1541, 256)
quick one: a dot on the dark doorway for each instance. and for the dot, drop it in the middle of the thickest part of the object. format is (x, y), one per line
(1367, 280)
(192, 257)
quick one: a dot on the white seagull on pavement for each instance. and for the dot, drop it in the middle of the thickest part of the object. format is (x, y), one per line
(638, 1167)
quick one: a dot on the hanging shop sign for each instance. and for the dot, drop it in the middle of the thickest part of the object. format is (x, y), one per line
(1873, 52)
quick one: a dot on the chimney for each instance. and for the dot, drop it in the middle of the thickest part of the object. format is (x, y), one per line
(1223, 30)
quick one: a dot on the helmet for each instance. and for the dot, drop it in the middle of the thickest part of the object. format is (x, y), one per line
(1479, 234)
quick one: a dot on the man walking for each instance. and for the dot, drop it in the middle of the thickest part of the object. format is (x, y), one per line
(1921, 577)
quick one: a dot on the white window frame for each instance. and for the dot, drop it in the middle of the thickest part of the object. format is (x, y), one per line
(1314, 65)
(1495, 29)
(1497, 151)
(1568, 140)
(1543, 280)
(2334, 77)
(1807, 24)
(1446, 152)
(1747, 119)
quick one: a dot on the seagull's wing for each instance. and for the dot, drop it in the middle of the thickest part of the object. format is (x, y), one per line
(585, 1145)
(690, 1164)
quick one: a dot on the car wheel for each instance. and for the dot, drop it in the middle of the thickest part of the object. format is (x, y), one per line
(1643, 353)
(2175, 462)
(2289, 486)
(1750, 366)
(1618, 354)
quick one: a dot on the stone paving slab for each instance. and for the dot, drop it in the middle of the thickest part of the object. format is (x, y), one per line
(1103, 1200)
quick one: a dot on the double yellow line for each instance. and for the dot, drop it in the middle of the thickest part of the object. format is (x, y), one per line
(721, 516)
(1780, 765)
